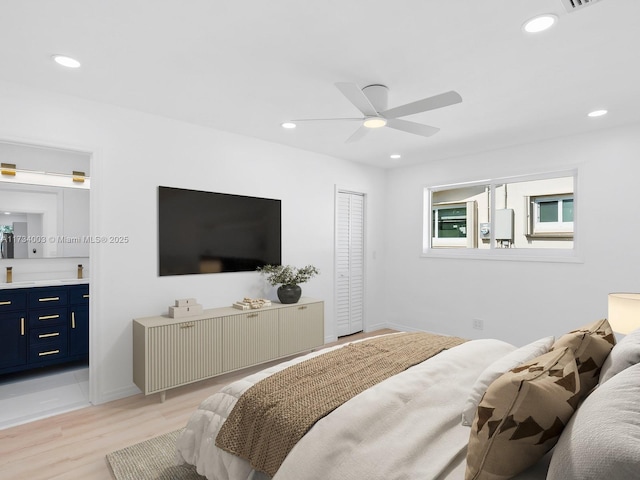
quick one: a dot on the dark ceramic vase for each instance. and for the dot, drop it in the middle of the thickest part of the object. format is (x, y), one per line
(289, 293)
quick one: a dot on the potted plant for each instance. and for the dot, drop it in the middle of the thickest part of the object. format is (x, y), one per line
(288, 278)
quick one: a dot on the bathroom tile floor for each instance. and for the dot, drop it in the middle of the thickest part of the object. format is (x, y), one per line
(33, 396)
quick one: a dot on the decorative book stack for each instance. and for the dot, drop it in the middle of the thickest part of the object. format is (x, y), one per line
(185, 307)
(251, 303)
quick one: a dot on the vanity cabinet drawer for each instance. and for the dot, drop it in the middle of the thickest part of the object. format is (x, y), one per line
(48, 352)
(47, 316)
(47, 297)
(79, 295)
(47, 335)
(11, 300)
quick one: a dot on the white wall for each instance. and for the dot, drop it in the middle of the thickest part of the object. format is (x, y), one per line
(133, 154)
(517, 300)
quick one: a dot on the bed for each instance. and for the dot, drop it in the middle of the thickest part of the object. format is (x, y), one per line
(479, 409)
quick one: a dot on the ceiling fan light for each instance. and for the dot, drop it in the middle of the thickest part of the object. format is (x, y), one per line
(66, 61)
(540, 23)
(374, 122)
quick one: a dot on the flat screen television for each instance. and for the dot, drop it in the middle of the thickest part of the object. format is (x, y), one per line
(207, 232)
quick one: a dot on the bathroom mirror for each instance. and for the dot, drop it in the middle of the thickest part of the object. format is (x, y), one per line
(44, 211)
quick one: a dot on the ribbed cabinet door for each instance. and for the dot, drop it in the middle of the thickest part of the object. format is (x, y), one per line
(250, 338)
(301, 328)
(183, 353)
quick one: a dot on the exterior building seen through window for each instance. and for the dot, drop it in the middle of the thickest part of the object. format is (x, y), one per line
(529, 212)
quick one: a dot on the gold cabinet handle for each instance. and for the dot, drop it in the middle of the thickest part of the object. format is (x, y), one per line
(85, 296)
(252, 315)
(302, 307)
(48, 335)
(188, 325)
(73, 319)
(50, 352)
(49, 299)
(22, 326)
(5, 302)
(48, 317)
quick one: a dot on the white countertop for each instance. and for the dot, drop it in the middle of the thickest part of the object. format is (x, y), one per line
(44, 283)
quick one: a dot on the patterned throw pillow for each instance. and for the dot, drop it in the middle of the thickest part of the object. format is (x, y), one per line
(591, 345)
(522, 415)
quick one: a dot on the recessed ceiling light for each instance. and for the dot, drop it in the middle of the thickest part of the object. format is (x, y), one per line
(374, 122)
(288, 125)
(66, 61)
(597, 113)
(395, 156)
(539, 23)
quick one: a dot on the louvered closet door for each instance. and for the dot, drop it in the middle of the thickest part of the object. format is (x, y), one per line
(349, 262)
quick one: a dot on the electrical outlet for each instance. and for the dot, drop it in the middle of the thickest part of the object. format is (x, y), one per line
(478, 324)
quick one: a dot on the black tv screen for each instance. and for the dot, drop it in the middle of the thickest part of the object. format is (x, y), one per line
(206, 232)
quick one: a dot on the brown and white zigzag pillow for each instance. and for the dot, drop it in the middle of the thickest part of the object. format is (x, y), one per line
(521, 416)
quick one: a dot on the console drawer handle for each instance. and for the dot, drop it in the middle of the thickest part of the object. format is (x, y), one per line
(49, 299)
(188, 325)
(47, 335)
(51, 352)
(303, 307)
(252, 315)
(48, 317)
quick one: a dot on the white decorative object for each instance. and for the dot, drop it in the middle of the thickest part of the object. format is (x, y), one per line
(185, 310)
(184, 302)
(251, 303)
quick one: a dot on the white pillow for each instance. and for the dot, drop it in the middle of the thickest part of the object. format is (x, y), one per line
(497, 368)
(623, 355)
(602, 439)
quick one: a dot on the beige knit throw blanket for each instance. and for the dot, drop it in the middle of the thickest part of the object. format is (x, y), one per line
(272, 415)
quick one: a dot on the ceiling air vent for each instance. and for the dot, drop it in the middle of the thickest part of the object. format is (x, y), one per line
(573, 5)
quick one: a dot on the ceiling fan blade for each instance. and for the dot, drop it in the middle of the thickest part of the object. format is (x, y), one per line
(412, 127)
(325, 119)
(431, 103)
(358, 134)
(355, 95)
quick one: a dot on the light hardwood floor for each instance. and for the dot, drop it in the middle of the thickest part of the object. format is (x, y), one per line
(73, 445)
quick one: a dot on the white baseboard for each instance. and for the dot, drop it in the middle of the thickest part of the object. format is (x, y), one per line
(117, 394)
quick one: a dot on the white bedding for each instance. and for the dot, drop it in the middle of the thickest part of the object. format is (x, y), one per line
(403, 428)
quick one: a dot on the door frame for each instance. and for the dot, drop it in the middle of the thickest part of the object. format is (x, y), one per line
(355, 191)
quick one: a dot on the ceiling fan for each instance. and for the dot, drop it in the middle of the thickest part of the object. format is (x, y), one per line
(372, 102)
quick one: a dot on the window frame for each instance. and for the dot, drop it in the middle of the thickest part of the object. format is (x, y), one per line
(568, 255)
(470, 220)
(559, 229)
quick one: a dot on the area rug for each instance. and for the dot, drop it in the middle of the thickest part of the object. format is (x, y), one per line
(152, 459)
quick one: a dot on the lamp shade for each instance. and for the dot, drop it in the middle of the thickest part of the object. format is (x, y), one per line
(624, 312)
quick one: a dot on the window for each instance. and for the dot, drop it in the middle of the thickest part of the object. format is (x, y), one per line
(533, 212)
(552, 215)
(449, 227)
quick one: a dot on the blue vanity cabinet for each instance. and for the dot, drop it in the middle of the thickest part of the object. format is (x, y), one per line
(13, 330)
(78, 321)
(42, 326)
(48, 339)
